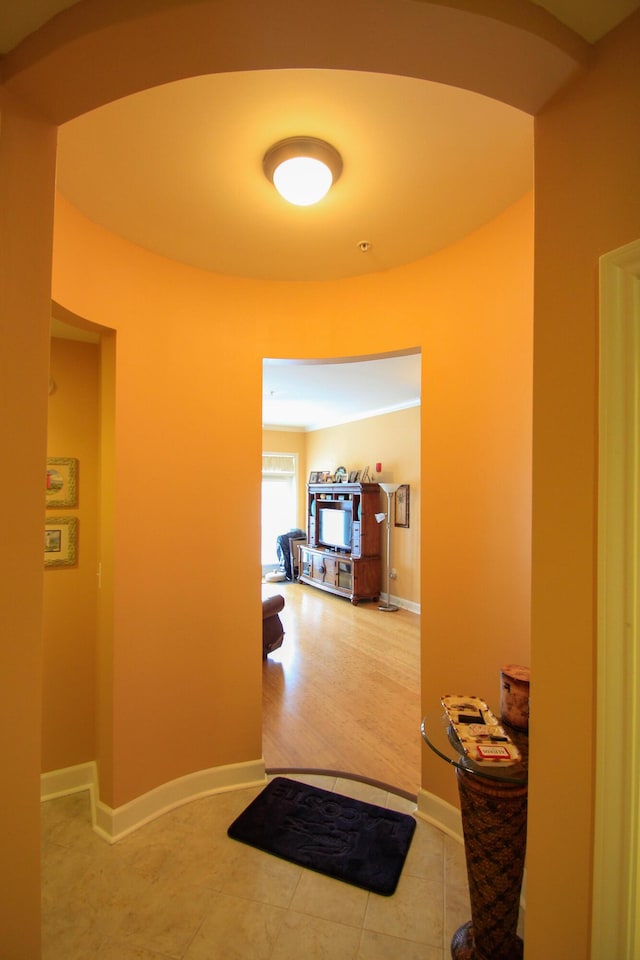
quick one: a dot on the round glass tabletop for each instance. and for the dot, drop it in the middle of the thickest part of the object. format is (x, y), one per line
(439, 735)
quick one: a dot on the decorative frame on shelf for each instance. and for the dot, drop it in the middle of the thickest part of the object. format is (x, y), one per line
(402, 506)
(313, 476)
(60, 541)
(62, 482)
(353, 476)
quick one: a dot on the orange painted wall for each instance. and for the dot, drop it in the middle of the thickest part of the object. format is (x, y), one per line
(476, 463)
(27, 162)
(394, 440)
(70, 593)
(587, 203)
(186, 661)
(186, 694)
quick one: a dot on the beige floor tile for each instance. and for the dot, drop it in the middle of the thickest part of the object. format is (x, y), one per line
(377, 946)
(260, 876)
(164, 919)
(401, 804)
(180, 888)
(74, 808)
(330, 899)
(414, 912)
(457, 911)
(366, 792)
(61, 868)
(426, 854)
(69, 936)
(314, 939)
(237, 929)
(70, 825)
(197, 863)
(454, 862)
(221, 809)
(313, 779)
(116, 950)
(106, 892)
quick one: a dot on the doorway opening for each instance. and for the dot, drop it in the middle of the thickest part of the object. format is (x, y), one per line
(333, 649)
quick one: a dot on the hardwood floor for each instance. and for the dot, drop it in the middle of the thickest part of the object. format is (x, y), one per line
(343, 691)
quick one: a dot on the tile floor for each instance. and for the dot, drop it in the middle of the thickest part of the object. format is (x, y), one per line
(179, 888)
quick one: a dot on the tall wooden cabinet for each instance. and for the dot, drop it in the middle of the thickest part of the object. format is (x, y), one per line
(342, 553)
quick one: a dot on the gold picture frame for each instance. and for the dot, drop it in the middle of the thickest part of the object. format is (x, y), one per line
(61, 482)
(402, 506)
(60, 541)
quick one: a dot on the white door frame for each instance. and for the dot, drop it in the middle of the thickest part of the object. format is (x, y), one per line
(615, 916)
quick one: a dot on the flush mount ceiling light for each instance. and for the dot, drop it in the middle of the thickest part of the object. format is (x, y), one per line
(302, 169)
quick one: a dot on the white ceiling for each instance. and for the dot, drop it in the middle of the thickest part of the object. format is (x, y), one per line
(325, 394)
(177, 169)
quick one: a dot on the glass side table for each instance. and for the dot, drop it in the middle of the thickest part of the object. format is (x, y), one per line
(493, 804)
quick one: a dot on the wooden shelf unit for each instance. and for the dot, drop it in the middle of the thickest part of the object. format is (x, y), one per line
(353, 569)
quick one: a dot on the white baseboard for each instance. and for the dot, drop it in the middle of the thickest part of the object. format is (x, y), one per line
(406, 604)
(441, 814)
(410, 605)
(113, 824)
(61, 783)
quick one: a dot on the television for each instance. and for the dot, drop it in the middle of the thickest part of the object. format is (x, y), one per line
(334, 528)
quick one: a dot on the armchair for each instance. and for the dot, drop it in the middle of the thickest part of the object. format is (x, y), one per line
(272, 629)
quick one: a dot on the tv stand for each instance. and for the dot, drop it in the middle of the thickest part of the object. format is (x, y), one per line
(354, 573)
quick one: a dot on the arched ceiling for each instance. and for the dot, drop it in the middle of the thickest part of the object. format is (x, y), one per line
(590, 19)
(177, 169)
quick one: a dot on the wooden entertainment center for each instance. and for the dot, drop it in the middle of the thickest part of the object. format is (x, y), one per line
(342, 553)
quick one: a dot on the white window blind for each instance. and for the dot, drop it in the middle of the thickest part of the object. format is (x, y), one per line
(278, 500)
(278, 465)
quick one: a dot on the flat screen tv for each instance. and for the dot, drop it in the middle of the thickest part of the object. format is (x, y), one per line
(335, 528)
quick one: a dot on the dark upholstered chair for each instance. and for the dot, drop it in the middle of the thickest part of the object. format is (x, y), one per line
(272, 629)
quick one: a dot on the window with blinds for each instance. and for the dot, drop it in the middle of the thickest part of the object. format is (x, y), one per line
(279, 464)
(279, 507)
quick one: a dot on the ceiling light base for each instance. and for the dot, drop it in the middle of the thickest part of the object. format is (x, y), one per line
(288, 152)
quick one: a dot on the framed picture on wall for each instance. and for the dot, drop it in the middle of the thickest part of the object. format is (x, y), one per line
(62, 482)
(60, 541)
(402, 506)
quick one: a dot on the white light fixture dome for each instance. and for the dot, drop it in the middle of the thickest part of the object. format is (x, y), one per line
(302, 169)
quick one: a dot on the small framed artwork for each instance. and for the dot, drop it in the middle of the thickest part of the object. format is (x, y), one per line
(60, 541)
(402, 506)
(353, 476)
(62, 482)
(313, 476)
